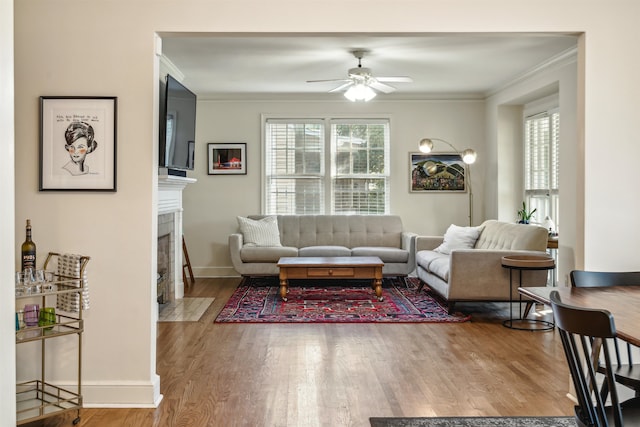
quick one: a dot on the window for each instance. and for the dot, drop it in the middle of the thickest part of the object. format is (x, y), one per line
(541, 164)
(316, 166)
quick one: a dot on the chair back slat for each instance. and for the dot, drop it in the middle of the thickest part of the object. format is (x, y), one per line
(585, 334)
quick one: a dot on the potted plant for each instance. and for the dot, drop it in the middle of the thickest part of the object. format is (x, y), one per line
(525, 215)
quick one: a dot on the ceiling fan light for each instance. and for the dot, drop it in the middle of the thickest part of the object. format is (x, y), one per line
(360, 92)
(368, 94)
(350, 94)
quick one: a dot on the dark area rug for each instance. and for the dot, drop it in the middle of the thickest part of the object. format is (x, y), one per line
(475, 422)
(257, 300)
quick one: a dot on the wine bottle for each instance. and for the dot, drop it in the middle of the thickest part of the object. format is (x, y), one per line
(28, 250)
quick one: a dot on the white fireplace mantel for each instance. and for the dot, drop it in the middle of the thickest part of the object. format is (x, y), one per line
(170, 201)
(170, 192)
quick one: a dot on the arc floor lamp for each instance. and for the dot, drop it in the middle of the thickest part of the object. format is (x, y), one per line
(468, 157)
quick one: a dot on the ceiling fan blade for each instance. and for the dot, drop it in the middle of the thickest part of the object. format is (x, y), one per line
(328, 80)
(381, 86)
(344, 86)
(396, 79)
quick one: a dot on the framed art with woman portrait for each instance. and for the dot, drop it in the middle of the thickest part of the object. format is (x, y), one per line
(77, 143)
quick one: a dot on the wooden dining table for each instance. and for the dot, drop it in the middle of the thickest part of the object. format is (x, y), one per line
(621, 301)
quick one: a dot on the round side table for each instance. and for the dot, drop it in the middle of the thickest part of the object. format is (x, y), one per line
(522, 263)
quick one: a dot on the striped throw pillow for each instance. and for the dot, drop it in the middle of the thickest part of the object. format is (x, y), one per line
(262, 232)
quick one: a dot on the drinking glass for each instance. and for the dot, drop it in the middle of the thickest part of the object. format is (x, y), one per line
(19, 283)
(27, 280)
(49, 287)
(31, 312)
(47, 317)
(20, 320)
(48, 276)
(38, 281)
(38, 276)
(28, 275)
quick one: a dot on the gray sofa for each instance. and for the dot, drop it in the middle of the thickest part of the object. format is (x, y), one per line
(328, 236)
(476, 274)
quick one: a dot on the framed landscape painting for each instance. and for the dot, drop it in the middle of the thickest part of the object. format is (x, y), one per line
(437, 172)
(77, 143)
(227, 159)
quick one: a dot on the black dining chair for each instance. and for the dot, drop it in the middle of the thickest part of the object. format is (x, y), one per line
(587, 334)
(626, 373)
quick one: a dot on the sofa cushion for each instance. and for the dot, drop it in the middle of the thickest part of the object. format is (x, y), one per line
(387, 255)
(266, 254)
(261, 232)
(458, 237)
(440, 267)
(434, 262)
(497, 235)
(324, 251)
(339, 230)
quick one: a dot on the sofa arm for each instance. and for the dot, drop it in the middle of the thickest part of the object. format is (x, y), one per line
(408, 240)
(428, 243)
(236, 241)
(478, 274)
(409, 244)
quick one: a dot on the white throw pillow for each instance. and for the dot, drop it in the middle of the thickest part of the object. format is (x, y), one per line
(261, 232)
(459, 238)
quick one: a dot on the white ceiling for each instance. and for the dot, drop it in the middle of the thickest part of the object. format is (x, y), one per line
(463, 65)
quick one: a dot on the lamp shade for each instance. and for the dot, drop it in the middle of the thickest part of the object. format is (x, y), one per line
(426, 145)
(469, 156)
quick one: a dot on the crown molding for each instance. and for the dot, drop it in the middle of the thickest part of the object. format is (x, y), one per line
(168, 67)
(560, 60)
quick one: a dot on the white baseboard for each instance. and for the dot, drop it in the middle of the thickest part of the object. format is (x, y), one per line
(125, 394)
(215, 272)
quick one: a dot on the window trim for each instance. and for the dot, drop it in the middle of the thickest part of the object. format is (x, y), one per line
(328, 120)
(544, 107)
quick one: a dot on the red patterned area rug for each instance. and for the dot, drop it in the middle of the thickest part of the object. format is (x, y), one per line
(257, 300)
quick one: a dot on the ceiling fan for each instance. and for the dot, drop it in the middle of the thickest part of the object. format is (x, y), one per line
(360, 83)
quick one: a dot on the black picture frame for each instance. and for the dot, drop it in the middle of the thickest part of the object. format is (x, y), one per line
(78, 143)
(437, 173)
(227, 158)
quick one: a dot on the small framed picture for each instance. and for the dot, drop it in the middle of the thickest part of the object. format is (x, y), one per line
(437, 172)
(77, 143)
(227, 159)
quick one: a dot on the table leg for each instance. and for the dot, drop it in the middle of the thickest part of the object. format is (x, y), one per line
(283, 286)
(523, 323)
(377, 283)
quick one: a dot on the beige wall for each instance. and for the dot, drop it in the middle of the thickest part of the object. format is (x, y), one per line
(74, 47)
(212, 204)
(7, 228)
(504, 188)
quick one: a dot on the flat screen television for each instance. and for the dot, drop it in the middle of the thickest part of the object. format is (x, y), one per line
(177, 127)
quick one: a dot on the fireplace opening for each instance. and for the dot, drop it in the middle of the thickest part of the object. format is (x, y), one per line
(166, 259)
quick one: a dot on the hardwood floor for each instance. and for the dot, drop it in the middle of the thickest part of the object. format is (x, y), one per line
(341, 374)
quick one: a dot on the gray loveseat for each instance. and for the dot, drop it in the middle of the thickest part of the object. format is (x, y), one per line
(328, 236)
(476, 274)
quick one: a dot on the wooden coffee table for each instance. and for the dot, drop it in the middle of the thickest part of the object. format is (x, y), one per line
(357, 267)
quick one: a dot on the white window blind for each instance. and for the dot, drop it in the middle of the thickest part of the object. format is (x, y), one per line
(303, 163)
(360, 176)
(294, 165)
(541, 165)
